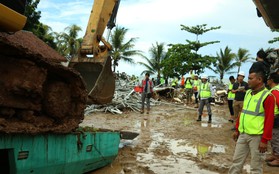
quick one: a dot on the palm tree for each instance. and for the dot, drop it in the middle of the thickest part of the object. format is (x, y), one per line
(154, 64)
(242, 56)
(68, 42)
(120, 49)
(225, 62)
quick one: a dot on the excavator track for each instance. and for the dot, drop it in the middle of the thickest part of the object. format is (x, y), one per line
(37, 93)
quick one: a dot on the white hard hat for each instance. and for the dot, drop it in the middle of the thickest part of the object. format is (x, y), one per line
(189, 76)
(204, 77)
(241, 73)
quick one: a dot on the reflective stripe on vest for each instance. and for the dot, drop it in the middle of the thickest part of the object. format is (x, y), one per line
(205, 90)
(231, 95)
(251, 119)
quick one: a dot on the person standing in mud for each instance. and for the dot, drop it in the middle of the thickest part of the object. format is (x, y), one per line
(239, 88)
(254, 126)
(147, 89)
(189, 89)
(273, 83)
(205, 93)
(231, 96)
(196, 84)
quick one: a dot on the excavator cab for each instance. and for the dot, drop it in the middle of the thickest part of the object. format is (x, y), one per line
(93, 61)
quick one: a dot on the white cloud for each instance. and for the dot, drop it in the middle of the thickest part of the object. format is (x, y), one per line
(159, 20)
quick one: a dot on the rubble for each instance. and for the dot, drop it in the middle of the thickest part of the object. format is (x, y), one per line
(125, 97)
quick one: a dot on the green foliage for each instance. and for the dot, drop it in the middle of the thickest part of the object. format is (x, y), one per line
(68, 42)
(33, 24)
(242, 56)
(196, 45)
(122, 50)
(224, 62)
(32, 15)
(154, 64)
(198, 30)
(275, 39)
(183, 58)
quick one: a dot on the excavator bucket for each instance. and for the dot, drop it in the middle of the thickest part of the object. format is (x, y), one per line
(96, 70)
(98, 77)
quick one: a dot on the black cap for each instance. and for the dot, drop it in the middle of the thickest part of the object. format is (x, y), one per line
(274, 76)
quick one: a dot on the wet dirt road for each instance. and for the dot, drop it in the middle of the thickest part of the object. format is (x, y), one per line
(170, 141)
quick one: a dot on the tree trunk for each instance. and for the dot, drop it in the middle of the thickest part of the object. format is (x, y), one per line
(114, 67)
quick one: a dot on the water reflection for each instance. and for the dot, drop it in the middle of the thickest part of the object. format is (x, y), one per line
(199, 150)
(213, 125)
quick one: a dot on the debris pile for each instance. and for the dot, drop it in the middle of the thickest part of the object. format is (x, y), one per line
(124, 98)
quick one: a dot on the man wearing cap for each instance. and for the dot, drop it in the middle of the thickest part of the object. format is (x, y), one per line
(239, 89)
(205, 93)
(273, 83)
(196, 84)
(254, 126)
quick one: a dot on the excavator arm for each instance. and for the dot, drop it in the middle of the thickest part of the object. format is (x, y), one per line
(11, 15)
(93, 61)
(100, 15)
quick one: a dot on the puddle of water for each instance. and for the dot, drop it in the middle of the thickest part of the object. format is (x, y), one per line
(170, 164)
(182, 146)
(176, 161)
(175, 152)
(213, 125)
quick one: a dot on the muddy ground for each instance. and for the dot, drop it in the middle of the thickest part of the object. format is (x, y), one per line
(171, 141)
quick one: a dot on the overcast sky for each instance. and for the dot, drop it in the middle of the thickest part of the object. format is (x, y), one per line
(154, 21)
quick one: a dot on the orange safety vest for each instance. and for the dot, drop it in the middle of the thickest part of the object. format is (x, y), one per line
(182, 81)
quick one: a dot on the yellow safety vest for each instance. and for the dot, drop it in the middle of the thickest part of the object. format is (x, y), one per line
(174, 82)
(231, 95)
(205, 90)
(188, 84)
(196, 84)
(276, 109)
(251, 119)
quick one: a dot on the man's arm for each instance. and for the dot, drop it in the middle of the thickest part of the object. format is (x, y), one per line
(268, 105)
(235, 88)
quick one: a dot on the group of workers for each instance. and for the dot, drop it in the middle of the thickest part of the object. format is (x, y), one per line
(255, 111)
(254, 108)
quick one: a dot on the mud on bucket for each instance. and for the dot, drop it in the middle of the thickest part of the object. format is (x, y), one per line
(99, 79)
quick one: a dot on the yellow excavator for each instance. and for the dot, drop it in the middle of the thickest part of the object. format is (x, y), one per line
(93, 61)
(42, 102)
(37, 93)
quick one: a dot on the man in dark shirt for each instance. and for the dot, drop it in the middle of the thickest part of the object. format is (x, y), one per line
(239, 88)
